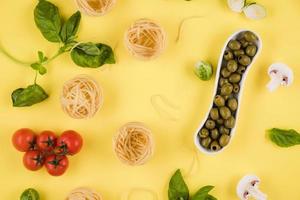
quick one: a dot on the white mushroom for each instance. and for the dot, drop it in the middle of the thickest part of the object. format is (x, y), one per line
(280, 74)
(248, 187)
(255, 11)
(236, 5)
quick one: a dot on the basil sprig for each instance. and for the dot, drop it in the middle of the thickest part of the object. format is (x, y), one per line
(178, 190)
(64, 32)
(284, 138)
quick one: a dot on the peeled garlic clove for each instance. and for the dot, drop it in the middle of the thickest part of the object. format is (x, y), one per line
(255, 11)
(236, 5)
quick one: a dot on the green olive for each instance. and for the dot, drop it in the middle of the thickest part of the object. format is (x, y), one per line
(232, 65)
(214, 134)
(204, 133)
(210, 124)
(238, 52)
(244, 60)
(234, 78)
(219, 101)
(251, 50)
(241, 69)
(220, 121)
(234, 45)
(223, 81)
(205, 142)
(223, 130)
(226, 97)
(244, 43)
(232, 103)
(214, 113)
(250, 37)
(225, 73)
(236, 88)
(225, 112)
(226, 89)
(224, 140)
(228, 55)
(230, 122)
(214, 146)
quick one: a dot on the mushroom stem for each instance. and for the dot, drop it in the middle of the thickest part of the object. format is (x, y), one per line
(257, 194)
(274, 83)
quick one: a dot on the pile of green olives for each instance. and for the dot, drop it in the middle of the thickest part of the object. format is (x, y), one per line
(216, 132)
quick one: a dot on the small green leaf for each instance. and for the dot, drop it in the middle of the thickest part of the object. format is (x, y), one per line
(81, 55)
(41, 56)
(42, 70)
(35, 66)
(284, 138)
(47, 19)
(202, 193)
(70, 27)
(29, 96)
(178, 189)
(39, 67)
(30, 194)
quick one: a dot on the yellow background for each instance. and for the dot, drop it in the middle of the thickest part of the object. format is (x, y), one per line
(128, 87)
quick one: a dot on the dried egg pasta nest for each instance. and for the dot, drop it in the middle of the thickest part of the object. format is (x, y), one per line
(134, 144)
(95, 7)
(145, 39)
(81, 97)
(83, 194)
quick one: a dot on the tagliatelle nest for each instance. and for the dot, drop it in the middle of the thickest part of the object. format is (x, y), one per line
(134, 144)
(145, 39)
(81, 97)
(83, 194)
(95, 7)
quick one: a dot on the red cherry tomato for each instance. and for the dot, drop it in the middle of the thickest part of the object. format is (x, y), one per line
(46, 141)
(33, 160)
(24, 140)
(56, 165)
(69, 143)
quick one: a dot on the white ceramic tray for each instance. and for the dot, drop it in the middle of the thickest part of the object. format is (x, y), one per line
(239, 96)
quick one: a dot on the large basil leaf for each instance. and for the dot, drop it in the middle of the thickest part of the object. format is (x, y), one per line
(47, 19)
(30, 194)
(284, 138)
(70, 27)
(202, 194)
(29, 96)
(92, 55)
(178, 189)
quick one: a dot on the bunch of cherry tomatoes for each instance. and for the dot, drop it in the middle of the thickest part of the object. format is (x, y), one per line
(46, 149)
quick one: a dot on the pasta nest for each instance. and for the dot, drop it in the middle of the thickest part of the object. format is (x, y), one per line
(83, 194)
(134, 144)
(145, 39)
(81, 97)
(95, 7)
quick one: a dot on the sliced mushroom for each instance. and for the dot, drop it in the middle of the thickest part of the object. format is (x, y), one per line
(248, 187)
(280, 74)
(236, 5)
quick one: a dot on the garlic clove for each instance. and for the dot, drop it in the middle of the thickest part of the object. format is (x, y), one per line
(236, 5)
(255, 11)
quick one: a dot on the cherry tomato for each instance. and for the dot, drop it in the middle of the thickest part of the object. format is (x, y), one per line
(46, 141)
(24, 140)
(56, 165)
(33, 160)
(69, 143)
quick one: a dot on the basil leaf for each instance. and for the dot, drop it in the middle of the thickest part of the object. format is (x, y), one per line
(284, 138)
(85, 55)
(202, 193)
(210, 197)
(89, 48)
(70, 27)
(29, 96)
(47, 19)
(30, 194)
(178, 189)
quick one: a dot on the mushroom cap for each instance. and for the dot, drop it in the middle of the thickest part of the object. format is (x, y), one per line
(236, 5)
(245, 183)
(283, 71)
